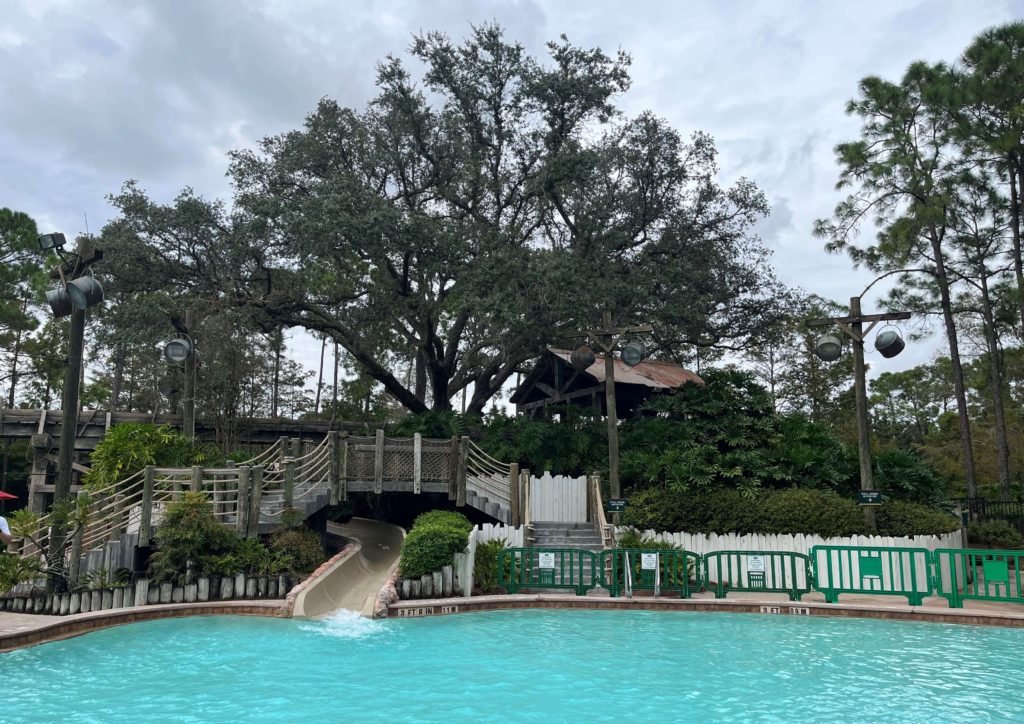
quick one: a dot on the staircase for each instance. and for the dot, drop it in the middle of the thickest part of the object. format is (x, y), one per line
(497, 509)
(584, 536)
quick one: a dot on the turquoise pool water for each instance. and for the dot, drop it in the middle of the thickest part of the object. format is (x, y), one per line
(525, 665)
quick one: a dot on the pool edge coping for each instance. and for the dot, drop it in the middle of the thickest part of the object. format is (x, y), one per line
(449, 606)
(66, 627)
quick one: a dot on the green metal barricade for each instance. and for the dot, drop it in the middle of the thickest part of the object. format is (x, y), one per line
(977, 574)
(655, 569)
(571, 568)
(758, 571)
(874, 570)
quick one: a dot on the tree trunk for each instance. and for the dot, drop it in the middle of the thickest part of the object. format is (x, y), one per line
(996, 373)
(320, 377)
(970, 476)
(334, 388)
(15, 354)
(278, 343)
(1016, 185)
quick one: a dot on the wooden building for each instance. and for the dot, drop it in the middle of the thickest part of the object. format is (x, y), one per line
(555, 382)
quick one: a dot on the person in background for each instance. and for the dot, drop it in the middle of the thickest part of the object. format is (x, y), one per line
(5, 531)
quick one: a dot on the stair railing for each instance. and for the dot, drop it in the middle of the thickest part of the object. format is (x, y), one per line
(607, 531)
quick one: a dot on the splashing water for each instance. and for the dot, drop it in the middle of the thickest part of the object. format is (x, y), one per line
(345, 624)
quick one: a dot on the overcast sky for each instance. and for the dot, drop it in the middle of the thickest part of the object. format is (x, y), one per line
(94, 93)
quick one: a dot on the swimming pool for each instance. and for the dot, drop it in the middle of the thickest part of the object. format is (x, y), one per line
(521, 665)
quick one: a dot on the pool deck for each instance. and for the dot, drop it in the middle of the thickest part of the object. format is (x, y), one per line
(18, 630)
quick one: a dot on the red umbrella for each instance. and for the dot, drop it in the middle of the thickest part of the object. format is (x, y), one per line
(7, 496)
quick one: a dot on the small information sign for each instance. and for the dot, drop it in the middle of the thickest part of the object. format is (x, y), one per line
(869, 497)
(649, 561)
(755, 564)
(617, 505)
(547, 560)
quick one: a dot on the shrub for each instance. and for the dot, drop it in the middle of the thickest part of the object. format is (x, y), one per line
(435, 537)
(187, 536)
(787, 511)
(298, 548)
(900, 518)
(485, 566)
(129, 447)
(995, 534)
(443, 519)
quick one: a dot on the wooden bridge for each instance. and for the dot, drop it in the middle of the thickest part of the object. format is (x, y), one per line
(251, 496)
(43, 429)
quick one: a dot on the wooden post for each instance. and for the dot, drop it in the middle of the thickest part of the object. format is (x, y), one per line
(524, 480)
(863, 424)
(37, 498)
(282, 449)
(453, 468)
(378, 464)
(146, 513)
(460, 493)
(417, 462)
(296, 447)
(255, 496)
(333, 471)
(197, 478)
(343, 473)
(242, 506)
(513, 493)
(289, 482)
(75, 564)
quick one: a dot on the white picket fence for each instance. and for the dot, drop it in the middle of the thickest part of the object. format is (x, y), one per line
(513, 537)
(558, 499)
(701, 543)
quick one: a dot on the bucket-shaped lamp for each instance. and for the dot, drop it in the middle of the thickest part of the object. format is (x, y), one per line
(889, 343)
(582, 357)
(828, 347)
(85, 292)
(633, 353)
(59, 301)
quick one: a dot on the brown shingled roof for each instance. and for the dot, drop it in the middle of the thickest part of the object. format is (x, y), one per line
(649, 373)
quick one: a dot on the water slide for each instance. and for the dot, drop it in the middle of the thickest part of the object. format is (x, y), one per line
(354, 581)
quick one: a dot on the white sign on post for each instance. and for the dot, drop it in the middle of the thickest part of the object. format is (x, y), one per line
(649, 561)
(547, 560)
(755, 564)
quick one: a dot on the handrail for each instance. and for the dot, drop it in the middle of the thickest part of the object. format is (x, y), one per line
(607, 531)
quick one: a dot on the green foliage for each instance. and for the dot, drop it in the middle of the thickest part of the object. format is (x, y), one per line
(434, 538)
(776, 511)
(575, 445)
(426, 550)
(995, 534)
(485, 566)
(128, 448)
(443, 519)
(188, 536)
(299, 548)
(432, 423)
(15, 570)
(900, 474)
(100, 578)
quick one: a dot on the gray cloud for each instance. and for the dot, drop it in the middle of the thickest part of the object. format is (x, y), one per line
(98, 92)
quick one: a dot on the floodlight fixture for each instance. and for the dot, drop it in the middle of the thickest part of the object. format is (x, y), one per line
(85, 292)
(52, 242)
(828, 347)
(582, 357)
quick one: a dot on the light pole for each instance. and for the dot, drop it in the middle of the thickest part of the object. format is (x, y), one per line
(607, 339)
(77, 291)
(888, 344)
(182, 351)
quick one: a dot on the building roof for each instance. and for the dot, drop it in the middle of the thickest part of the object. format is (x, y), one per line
(659, 375)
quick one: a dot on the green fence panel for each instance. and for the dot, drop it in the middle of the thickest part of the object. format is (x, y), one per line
(879, 570)
(978, 574)
(571, 568)
(667, 570)
(758, 571)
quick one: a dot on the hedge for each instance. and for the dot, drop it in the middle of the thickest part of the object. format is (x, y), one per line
(435, 537)
(788, 511)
